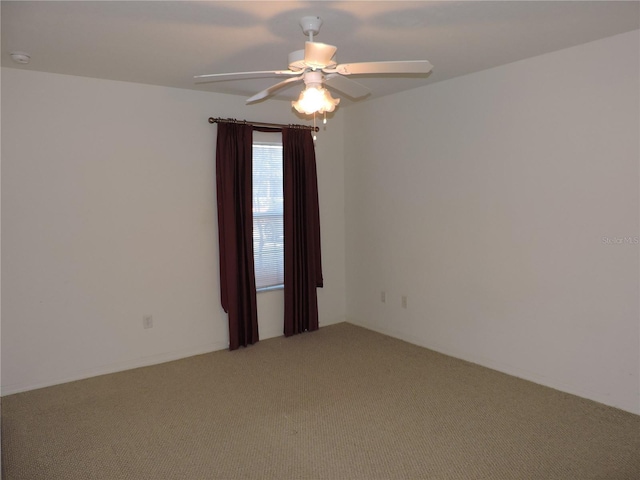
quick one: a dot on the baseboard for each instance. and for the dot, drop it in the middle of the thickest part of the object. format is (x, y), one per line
(266, 334)
(334, 321)
(115, 367)
(277, 332)
(505, 368)
(129, 365)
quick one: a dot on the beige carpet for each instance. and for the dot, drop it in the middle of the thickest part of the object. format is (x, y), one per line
(339, 403)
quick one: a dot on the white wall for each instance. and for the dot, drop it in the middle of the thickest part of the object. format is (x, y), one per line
(108, 214)
(485, 200)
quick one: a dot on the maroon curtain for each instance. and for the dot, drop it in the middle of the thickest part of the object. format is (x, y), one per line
(302, 259)
(235, 231)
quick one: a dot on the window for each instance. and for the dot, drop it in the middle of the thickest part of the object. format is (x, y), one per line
(268, 229)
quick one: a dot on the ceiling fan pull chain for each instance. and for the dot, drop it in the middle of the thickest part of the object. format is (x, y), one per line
(314, 127)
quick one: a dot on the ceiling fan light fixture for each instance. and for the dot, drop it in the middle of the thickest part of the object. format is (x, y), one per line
(315, 99)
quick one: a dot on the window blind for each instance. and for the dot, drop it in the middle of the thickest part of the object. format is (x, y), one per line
(268, 228)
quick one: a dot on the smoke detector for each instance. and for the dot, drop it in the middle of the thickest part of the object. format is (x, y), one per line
(20, 57)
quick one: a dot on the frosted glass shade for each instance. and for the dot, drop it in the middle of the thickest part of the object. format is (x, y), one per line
(315, 99)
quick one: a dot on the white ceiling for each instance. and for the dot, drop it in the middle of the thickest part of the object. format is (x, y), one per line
(168, 42)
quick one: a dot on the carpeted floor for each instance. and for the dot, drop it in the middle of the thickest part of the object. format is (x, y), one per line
(339, 403)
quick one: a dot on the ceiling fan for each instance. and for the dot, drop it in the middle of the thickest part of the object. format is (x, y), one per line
(316, 66)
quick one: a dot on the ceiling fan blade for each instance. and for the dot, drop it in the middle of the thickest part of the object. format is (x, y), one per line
(273, 88)
(347, 86)
(408, 66)
(318, 55)
(215, 77)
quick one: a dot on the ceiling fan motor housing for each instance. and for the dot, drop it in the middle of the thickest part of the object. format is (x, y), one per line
(296, 61)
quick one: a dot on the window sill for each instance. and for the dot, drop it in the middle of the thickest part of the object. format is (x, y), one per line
(270, 289)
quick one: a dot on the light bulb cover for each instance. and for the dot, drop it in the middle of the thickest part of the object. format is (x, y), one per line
(315, 99)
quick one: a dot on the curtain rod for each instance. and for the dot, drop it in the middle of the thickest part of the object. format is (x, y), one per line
(262, 124)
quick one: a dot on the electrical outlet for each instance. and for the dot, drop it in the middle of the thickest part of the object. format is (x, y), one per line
(147, 321)
(383, 297)
(404, 301)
